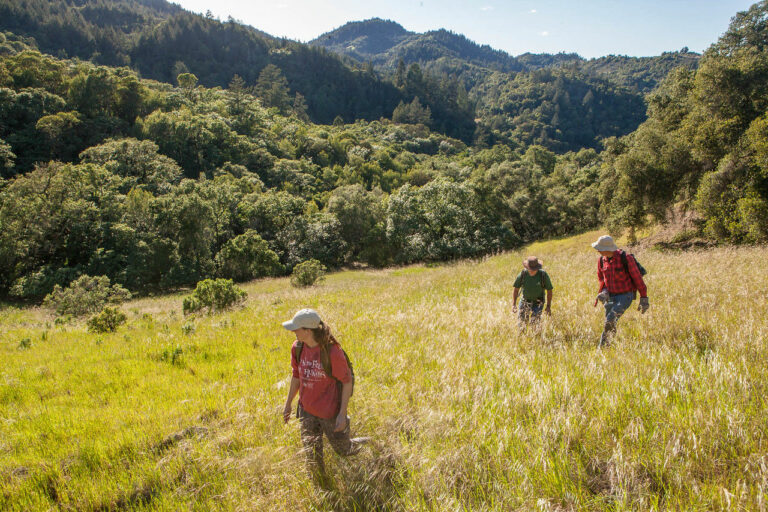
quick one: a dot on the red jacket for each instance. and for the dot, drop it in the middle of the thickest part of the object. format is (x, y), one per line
(611, 274)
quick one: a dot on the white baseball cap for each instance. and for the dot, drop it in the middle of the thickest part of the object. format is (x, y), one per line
(304, 319)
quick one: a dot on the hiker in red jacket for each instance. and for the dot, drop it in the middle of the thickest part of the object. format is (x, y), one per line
(620, 279)
(323, 379)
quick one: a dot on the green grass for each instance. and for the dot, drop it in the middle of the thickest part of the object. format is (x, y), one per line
(467, 411)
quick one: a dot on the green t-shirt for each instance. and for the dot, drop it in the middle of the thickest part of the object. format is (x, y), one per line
(531, 285)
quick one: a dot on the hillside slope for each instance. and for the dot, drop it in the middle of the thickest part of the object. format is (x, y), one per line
(161, 40)
(466, 411)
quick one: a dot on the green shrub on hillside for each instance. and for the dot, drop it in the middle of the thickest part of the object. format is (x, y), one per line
(214, 294)
(107, 321)
(85, 295)
(307, 273)
(247, 256)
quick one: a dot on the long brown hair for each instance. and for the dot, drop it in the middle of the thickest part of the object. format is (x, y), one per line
(324, 338)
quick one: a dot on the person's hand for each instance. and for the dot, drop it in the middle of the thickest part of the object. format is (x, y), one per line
(548, 311)
(287, 412)
(603, 296)
(644, 305)
(514, 308)
(341, 422)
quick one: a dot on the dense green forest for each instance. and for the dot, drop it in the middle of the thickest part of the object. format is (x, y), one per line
(161, 41)
(158, 185)
(518, 100)
(448, 74)
(703, 146)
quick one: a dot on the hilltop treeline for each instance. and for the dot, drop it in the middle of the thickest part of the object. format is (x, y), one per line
(158, 186)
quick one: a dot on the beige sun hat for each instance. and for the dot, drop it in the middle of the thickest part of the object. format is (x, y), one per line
(605, 243)
(532, 263)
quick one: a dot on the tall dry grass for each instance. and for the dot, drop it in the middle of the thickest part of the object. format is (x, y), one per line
(467, 411)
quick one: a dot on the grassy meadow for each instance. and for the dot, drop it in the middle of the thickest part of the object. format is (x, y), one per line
(467, 412)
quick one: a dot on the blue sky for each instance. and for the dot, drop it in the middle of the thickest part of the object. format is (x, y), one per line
(592, 28)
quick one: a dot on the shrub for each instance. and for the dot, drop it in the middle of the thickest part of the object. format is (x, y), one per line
(247, 256)
(85, 295)
(214, 294)
(307, 273)
(107, 321)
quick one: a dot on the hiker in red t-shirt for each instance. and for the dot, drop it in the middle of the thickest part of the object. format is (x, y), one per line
(323, 379)
(620, 279)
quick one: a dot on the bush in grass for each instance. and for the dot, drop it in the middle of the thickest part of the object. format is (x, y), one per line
(107, 321)
(307, 273)
(84, 295)
(215, 295)
(247, 256)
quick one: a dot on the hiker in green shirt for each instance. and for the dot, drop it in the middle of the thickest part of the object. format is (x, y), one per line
(533, 280)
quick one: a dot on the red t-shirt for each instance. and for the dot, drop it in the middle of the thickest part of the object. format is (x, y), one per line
(318, 394)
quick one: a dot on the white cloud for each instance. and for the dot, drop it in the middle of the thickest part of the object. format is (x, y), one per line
(486, 8)
(544, 34)
(533, 11)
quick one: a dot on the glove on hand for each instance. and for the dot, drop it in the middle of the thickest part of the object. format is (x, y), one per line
(644, 305)
(603, 296)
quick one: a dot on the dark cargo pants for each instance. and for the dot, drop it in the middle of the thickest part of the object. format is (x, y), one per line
(312, 430)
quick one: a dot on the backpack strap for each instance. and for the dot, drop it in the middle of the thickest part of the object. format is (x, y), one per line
(624, 261)
(541, 276)
(299, 348)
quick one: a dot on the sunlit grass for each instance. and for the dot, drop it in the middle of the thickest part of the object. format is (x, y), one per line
(467, 412)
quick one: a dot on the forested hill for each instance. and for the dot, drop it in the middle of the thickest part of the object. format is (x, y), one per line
(160, 40)
(448, 94)
(154, 185)
(384, 43)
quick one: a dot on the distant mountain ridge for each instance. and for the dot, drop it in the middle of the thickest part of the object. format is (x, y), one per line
(364, 39)
(384, 43)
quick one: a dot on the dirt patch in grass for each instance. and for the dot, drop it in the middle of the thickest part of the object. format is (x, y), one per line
(176, 437)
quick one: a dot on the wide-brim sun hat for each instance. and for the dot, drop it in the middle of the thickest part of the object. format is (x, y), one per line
(304, 319)
(532, 263)
(605, 243)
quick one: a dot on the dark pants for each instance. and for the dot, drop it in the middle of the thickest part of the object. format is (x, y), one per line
(614, 308)
(312, 430)
(530, 311)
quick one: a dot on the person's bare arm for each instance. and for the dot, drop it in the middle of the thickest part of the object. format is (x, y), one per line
(289, 401)
(341, 419)
(549, 302)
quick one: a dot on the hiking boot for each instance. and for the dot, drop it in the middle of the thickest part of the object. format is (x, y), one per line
(358, 443)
